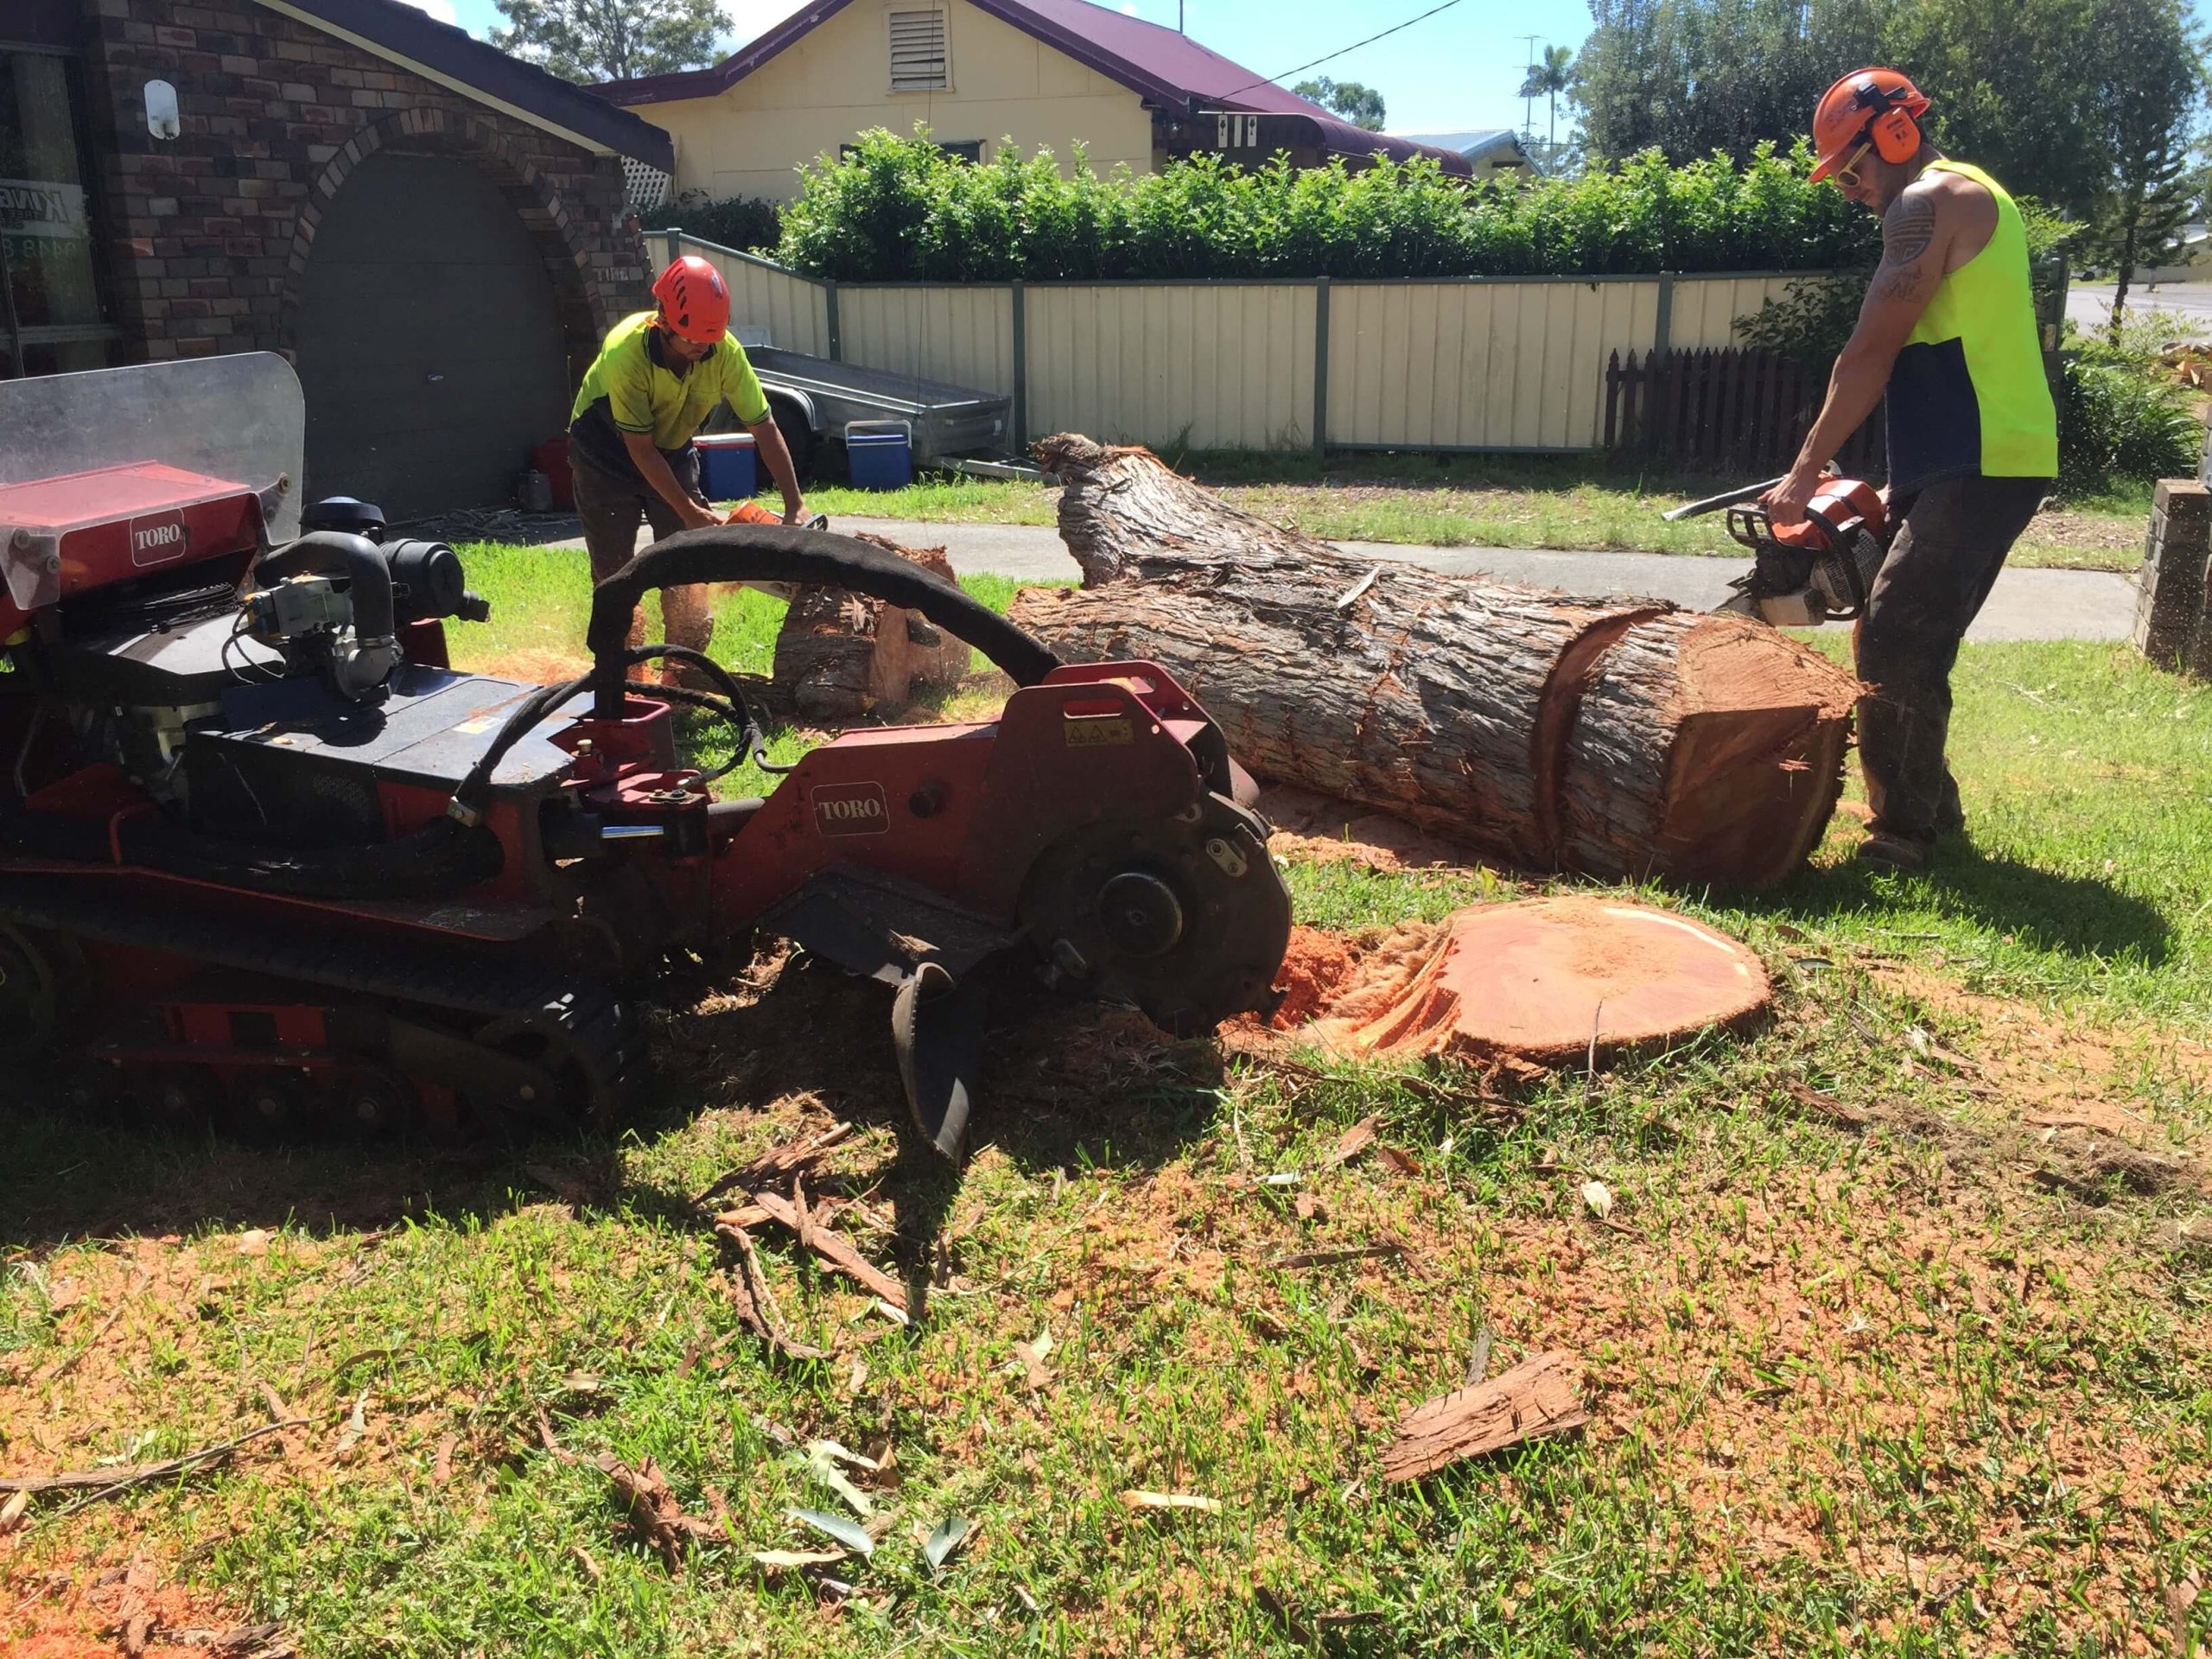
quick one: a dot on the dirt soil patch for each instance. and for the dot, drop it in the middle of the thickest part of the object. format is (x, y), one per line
(2091, 533)
(69, 1612)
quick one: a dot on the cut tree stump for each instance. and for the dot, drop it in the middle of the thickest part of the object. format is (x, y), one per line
(1614, 736)
(840, 655)
(1535, 1398)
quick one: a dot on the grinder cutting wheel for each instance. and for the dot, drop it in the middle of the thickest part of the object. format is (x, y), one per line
(1821, 570)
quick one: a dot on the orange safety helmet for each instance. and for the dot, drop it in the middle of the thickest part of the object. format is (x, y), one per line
(694, 300)
(1867, 106)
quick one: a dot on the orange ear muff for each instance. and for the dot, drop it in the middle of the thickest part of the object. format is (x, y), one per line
(1896, 136)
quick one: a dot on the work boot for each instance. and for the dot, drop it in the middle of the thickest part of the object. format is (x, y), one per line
(1888, 851)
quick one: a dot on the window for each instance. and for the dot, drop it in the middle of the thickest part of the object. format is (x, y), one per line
(51, 318)
(919, 61)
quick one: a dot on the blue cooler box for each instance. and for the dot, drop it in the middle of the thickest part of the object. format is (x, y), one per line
(727, 471)
(882, 454)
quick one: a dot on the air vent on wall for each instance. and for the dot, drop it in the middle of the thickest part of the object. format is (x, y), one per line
(918, 54)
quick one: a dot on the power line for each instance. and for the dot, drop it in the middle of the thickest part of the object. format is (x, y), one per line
(1354, 47)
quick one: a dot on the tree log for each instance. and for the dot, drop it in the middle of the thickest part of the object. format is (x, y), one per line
(1616, 737)
(839, 655)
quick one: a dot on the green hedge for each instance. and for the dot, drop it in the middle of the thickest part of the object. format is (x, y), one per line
(749, 224)
(901, 210)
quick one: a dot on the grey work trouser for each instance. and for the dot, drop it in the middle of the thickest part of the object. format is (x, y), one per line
(1937, 576)
(610, 507)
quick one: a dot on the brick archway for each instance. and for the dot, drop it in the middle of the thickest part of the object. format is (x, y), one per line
(429, 132)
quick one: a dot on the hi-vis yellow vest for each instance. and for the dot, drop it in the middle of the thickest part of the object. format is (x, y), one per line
(1968, 393)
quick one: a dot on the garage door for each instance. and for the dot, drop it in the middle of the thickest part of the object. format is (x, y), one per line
(430, 347)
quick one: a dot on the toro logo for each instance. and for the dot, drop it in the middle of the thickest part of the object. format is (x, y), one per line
(851, 809)
(157, 537)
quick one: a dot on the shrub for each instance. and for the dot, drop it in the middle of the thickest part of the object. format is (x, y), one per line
(2120, 422)
(900, 209)
(750, 224)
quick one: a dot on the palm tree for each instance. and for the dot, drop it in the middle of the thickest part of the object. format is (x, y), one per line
(1546, 81)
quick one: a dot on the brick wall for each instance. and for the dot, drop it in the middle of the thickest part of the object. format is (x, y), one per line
(212, 229)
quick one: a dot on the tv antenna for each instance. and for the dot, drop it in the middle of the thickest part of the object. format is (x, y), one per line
(1528, 101)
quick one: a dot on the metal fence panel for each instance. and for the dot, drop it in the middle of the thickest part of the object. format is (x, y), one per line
(1213, 365)
(1706, 307)
(963, 336)
(1464, 363)
(1478, 366)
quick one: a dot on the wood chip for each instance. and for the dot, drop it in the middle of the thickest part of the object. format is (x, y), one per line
(1826, 1106)
(835, 1250)
(776, 1168)
(1534, 1399)
(654, 1510)
(11, 1512)
(1329, 1258)
(441, 1466)
(1134, 1500)
(785, 1560)
(1355, 1139)
(757, 1308)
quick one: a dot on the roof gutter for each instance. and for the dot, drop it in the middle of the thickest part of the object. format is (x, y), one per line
(651, 145)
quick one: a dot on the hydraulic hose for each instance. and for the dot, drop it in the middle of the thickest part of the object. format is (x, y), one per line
(335, 553)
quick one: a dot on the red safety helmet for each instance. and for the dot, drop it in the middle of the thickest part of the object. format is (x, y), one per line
(1877, 106)
(694, 300)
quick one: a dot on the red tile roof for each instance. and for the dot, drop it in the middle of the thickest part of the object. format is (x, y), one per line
(1157, 63)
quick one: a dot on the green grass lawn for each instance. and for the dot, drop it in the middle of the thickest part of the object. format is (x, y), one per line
(1476, 501)
(1884, 1351)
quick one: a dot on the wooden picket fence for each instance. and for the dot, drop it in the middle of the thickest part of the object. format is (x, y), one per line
(1736, 410)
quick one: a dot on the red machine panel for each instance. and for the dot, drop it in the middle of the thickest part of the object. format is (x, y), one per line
(85, 530)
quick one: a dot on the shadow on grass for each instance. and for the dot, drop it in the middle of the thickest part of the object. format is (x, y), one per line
(1064, 1084)
(2071, 915)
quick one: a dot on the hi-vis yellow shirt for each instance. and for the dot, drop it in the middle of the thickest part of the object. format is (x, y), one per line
(631, 386)
(1968, 393)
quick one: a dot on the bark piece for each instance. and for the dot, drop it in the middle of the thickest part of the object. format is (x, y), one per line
(840, 655)
(777, 1166)
(654, 1510)
(835, 1250)
(1535, 1398)
(1620, 737)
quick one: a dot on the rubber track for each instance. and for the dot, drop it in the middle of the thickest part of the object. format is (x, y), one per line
(598, 1028)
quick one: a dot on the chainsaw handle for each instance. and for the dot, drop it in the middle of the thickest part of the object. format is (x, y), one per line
(1726, 498)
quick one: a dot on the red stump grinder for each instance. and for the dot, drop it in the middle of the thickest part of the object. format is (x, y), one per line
(263, 854)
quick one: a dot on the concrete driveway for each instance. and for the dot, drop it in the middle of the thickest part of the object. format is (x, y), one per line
(2089, 304)
(2028, 604)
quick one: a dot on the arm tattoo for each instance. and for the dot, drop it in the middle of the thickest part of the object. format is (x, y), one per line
(1908, 229)
(1908, 232)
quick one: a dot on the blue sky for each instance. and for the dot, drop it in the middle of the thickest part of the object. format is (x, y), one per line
(1459, 69)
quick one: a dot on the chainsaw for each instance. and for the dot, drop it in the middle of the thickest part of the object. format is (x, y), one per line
(267, 858)
(1819, 570)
